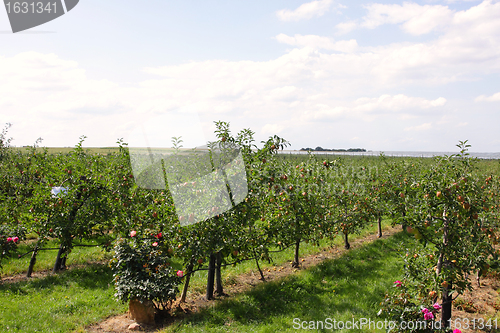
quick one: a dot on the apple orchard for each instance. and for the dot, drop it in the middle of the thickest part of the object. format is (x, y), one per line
(447, 205)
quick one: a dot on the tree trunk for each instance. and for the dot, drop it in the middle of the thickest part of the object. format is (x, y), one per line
(446, 307)
(347, 246)
(403, 225)
(186, 283)
(210, 278)
(32, 262)
(218, 278)
(447, 297)
(57, 264)
(258, 266)
(379, 226)
(63, 261)
(295, 262)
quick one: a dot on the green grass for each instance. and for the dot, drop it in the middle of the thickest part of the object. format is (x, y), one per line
(45, 259)
(346, 288)
(58, 303)
(81, 296)
(199, 278)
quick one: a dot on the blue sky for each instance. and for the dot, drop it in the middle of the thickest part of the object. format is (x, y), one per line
(381, 75)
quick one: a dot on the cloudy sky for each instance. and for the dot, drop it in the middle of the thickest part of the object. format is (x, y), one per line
(380, 75)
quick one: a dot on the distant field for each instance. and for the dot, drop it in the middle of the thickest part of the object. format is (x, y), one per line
(56, 150)
(488, 166)
(99, 150)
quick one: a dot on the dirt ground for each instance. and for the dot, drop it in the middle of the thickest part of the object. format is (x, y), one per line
(478, 306)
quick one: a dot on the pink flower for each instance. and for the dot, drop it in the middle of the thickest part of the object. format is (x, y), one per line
(428, 316)
(457, 331)
(398, 283)
(9, 239)
(133, 233)
(155, 244)
(180, 274)
(425, 310)
(436, 306)
(15, 239)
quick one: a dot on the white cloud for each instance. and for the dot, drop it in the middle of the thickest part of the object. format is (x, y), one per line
(415, 19)
(370, 108)
(39, 93)
(271, 129)
(346, 27)
(422, 127)
(305, 11)
(455, 1)
(318, 42)
(492, 98)
(396, 103)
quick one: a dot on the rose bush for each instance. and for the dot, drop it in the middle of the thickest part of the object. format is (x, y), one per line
(142, 270)
(9, 239)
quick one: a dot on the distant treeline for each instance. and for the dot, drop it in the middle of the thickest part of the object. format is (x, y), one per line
(326, 149)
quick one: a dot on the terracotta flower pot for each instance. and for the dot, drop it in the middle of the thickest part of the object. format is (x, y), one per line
(142, 312)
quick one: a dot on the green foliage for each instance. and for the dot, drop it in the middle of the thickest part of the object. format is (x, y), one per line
(142, 271)
(403, 306)
(9, 238)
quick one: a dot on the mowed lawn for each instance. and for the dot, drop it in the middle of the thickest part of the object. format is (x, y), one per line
(58, 303)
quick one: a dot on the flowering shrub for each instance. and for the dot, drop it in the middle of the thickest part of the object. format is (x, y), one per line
(404, 304)
(142, 271)
(9, 243)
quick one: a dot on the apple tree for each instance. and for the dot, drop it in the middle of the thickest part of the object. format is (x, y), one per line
(447, 217)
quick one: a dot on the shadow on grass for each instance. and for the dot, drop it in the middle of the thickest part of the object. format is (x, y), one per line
(352, 285)
(94, 276)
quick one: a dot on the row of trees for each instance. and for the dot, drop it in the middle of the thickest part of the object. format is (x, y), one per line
(451, 210)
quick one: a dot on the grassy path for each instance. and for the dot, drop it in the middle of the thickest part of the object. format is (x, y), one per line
(344, 289)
